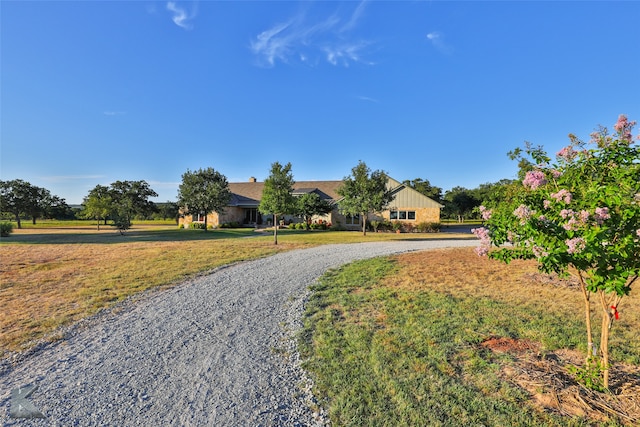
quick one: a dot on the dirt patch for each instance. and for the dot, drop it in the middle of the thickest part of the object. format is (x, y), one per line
(545, 376)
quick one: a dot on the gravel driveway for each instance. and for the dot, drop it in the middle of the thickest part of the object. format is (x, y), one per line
(213, 351)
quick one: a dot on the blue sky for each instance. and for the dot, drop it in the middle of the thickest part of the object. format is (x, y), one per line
(94, 92)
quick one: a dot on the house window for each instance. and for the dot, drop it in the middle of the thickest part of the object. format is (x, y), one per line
(250, 216)
(197, 218)
(402, 215)
(352, 219)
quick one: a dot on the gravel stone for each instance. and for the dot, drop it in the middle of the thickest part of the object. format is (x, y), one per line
(218, 349)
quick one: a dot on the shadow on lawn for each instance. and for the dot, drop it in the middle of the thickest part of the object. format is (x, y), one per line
(112, 236)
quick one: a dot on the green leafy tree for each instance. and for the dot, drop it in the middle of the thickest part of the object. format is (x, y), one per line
(459, 202)
(490, 194)
(203, 191)
(168, 209)
(15, 198)
(57, 208)
(581, 216)
(423, 186)
(20, 198)
(130, 198)
(38, 198)
(277, 195)
(364, 192)
(97, 204)
(310, 205)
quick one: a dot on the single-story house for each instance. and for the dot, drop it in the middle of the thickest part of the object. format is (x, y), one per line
(407, 205)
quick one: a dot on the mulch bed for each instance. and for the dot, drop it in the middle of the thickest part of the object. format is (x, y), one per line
(552, 388)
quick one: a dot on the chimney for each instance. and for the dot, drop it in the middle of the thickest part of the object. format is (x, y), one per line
(252, 179)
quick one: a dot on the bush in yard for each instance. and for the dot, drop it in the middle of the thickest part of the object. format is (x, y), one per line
(581, 216)
(6, 228)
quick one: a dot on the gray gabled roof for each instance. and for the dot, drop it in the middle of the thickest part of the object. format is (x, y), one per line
(248, 194)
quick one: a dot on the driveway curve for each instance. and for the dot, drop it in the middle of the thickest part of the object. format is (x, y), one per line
(217, 350)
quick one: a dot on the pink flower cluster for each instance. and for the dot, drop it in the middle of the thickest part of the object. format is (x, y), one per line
(576, 220)
(623, 126)
(534, 179)
(539, 251)
(482, 233)
(567, 213)
(575, 245)
(523, 212)
(567, 153)
(601, 215)
(486, 213)
(562, 196)
(638, 232)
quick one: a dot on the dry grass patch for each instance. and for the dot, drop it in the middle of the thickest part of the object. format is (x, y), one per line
(462, 272)
(45, 286)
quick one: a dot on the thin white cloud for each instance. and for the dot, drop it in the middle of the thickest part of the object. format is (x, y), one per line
(114, 113)
(344, 54)
(355, 17)
(273, 44)
(304, 40)
(437, 40)
(181, 16)
(368, 99)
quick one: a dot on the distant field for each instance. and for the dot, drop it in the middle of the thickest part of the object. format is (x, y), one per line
(56, 275)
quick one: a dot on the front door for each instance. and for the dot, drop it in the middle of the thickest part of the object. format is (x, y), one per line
(251, 216)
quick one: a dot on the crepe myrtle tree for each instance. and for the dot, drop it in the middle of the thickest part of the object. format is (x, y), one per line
(203, 191)
(364, 192)
(277, 195)
(579, 215)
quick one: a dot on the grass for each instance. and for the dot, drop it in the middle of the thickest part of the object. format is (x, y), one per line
(57, 275)
(398, 341)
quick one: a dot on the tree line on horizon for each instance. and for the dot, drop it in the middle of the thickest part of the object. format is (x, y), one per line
(123, 201)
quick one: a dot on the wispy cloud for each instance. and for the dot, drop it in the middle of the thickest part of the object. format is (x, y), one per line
(114, 113)
(309, 40)
(437, 40)
(181, 16)
(368, 99)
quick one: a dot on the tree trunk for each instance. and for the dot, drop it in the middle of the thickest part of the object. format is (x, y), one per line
(591, 351)
(364, 224)
(18, 221)
(275, 229)
(607, 318)
(33, 220)
(205, 223)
